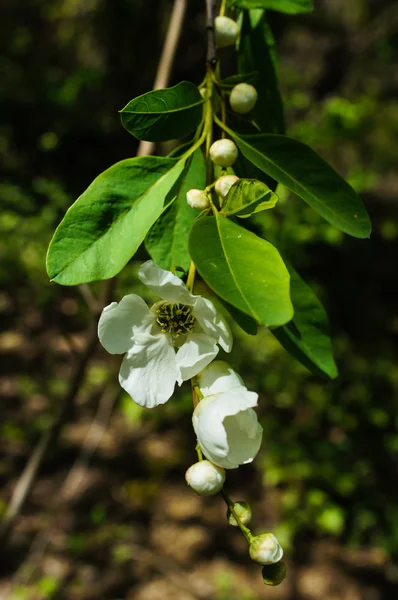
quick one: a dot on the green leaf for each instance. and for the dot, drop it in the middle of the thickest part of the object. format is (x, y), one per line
(167, 241)
(248, 324)
(257, 53)
(247, 197)
(104, 227)
(165, 114)
(306, 337)
(233, 80)
(243, 269)
(291, 7)
(305, 173)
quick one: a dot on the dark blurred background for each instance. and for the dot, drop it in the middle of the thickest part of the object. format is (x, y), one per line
(109, 515)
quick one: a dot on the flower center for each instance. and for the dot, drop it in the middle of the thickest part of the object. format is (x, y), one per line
(176, 319)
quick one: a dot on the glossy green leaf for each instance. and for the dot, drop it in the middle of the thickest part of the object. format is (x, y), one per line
(165, 114)
(305, 173)
(248, 324)
(167, 241)
(243, 269)
(104, 227)
(291, 7)
(247, 197)
(257, 53)
(306, 337)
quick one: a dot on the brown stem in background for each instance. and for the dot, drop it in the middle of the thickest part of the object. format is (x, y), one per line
(166, 60)
(28, 476)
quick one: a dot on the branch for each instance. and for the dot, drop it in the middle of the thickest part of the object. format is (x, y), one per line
(166, 60)
(211, 6)
(28, 477)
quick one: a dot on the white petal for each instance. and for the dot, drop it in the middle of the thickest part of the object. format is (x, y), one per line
(209, 430)
(195, 354)
(227, 428)
(120, 321)
(218, 377)
(213, 323)
(244, 435)
(148, 372)
(164, 284)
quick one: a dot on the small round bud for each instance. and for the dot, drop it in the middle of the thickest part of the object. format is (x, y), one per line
(205, 478)
(203, 92)
(197, 199)
(243, 98)
(274, 574)
(227, 31)
(224, 184)
(223, 153)
(265, 549)
(243, 511)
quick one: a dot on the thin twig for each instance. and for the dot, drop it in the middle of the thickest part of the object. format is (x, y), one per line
(90, 444)
(28, 476)
(166, 60)
(70, 487)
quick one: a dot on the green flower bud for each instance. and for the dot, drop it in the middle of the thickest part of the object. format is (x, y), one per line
(224, 184)
(243, 511)
(197, 199)
(265, 549)
(223, 153)
(227, 31)
(274, 574)
(205, 478)
(243, 98)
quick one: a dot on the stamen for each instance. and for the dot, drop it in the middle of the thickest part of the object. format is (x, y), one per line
(176, 319)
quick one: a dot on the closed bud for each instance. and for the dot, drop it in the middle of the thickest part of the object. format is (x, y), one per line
(274, 574)
(205, 478)
(224, 184)
(227, 31)
(265, 549)
(223, 153)
(197, 199)
(243, 98)
(243, 512)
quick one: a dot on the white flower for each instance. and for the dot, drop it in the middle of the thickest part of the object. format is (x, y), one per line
(224, 421)
(205, 478)
(170, 342)
(265, 549)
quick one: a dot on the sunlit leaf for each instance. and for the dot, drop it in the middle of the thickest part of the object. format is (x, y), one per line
(291, 7)
(305, 173)
(167, 240)
(247, 197)
(243, 269)
(102, 230)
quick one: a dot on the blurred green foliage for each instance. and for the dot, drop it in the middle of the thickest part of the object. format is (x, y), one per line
(330, 448)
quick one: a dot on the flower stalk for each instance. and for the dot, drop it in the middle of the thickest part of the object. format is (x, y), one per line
(245, 530)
